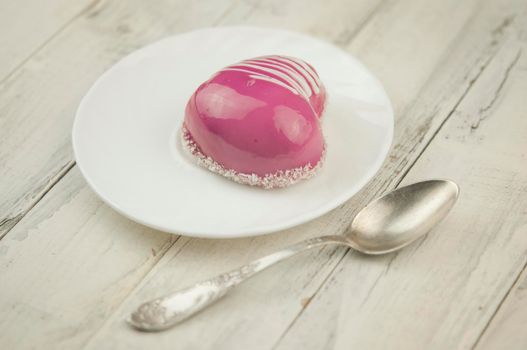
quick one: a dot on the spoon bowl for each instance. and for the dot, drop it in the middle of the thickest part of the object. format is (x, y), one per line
(401, 216)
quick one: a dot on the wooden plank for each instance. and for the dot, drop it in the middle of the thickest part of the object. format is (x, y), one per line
(67, 255)
(29, 24)
(257, 315)
(335, 20)
(441, 292)
(38, 102)
(507, 329)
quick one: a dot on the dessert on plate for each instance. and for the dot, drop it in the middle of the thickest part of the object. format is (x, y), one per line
(257, 122)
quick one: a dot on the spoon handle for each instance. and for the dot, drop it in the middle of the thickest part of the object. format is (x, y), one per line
(166, 311)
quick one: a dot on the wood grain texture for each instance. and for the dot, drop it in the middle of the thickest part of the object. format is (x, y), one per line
(38, 102)
(64, 266)
(254, 321)
(35, 153)
(71, 268)
(441, 292)
(27, 25)
(507, 329)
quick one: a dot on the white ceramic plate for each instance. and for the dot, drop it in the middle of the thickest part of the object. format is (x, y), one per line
(125, 146)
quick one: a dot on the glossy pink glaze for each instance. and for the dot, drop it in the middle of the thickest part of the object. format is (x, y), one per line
(259, 116)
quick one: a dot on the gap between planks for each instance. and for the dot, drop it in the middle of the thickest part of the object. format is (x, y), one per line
(405, 173)
(500, 306)
(346, 41)
(506, 23)
(64, 170)
(496, 93)
(398, 182)
(92, 10)
(471, 82)
(8, 224)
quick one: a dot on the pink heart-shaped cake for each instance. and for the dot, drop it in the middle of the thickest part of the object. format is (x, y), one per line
(257, 122)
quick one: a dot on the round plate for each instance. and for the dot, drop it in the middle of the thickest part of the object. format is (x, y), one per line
(126, 146)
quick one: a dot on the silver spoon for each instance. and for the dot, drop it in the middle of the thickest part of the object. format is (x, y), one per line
(385, 225)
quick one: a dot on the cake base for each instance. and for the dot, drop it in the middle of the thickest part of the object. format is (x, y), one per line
(279, 179)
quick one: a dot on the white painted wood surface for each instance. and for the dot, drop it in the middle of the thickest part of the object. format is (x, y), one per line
(28, 25)
(507, 329)
(71, 268)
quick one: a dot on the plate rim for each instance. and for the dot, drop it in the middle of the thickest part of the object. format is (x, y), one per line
(261, 229)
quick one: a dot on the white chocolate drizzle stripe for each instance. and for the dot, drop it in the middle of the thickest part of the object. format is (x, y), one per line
(259, 76)
(299, 70)
(293, 73)
(303, 64)
(276, 73)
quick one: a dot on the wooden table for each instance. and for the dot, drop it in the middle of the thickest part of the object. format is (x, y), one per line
(71, 268)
